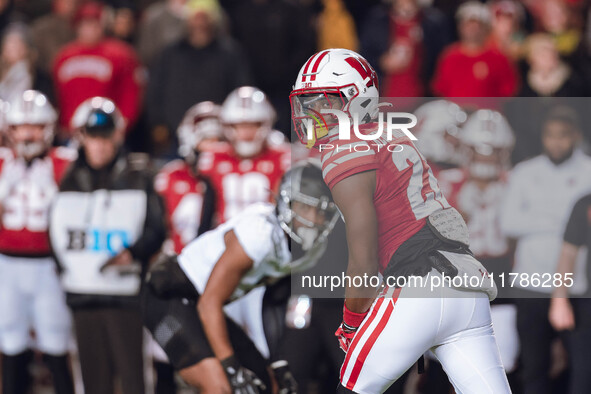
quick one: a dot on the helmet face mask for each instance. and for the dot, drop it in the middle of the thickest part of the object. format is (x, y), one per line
(28, 140)
(486, 162)
(307, 113)
(348, 83)
(305, 208)
(487, 140)
(248, 138)
(199, 127)
(244, 108)
(31, 124)
(438, 131)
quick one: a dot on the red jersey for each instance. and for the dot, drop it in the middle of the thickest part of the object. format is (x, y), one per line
(109, 69)
(406, 189)
(488, 73)
(26, 192)
(239, 182)
(481, 209)
(183, 194)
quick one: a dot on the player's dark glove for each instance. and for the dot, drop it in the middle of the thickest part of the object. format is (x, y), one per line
(242, 380)
(348, 328)
(284, 378)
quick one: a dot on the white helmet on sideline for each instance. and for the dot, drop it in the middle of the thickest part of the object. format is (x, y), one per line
(247, 104)
(200, 122)
(31, 108)
(487, 139)
(437, 131)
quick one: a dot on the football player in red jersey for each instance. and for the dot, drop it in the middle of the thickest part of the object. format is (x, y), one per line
(189, 198)
(30, 294)
(248, 168)
(398, 224)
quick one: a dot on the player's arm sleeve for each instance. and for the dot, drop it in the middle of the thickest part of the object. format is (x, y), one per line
(576, 228)
(344, 164)
(518, 216)
(154, 231)
(208, 209)
(130, 87)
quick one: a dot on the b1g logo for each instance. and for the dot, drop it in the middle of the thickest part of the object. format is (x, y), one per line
(344, 124)
(98, 240)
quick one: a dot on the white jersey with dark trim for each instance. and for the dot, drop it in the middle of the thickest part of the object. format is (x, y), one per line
(262, 238)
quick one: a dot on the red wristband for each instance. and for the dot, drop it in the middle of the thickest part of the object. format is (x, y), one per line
(353, 319)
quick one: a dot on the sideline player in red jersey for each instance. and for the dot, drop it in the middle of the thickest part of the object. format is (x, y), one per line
(188, 197)
(30, 292)
(398, 224)
(247, 169)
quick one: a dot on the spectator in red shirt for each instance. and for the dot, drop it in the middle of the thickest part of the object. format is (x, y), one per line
(472, 67)
(94, 65)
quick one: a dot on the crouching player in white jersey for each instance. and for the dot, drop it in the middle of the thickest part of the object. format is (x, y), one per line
(398, 225)
(185, 295)
(30, 294)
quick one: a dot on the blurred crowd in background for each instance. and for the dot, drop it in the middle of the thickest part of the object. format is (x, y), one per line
(167, 55)
(513, 166)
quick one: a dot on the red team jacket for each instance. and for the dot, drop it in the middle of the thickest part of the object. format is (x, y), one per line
(406, 189)
(110, 69)
(26, 194)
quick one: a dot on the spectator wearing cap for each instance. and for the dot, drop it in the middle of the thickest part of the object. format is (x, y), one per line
(106, 223)
(18, 71)
(202, 66)
(404, 40)
(472, 67)
(162, 24)
(52, 31)
(95, 65)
